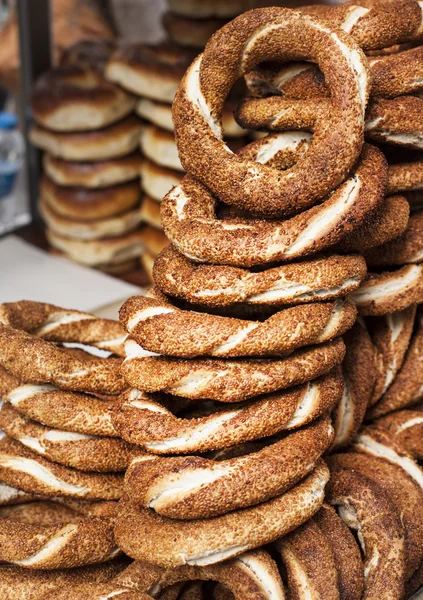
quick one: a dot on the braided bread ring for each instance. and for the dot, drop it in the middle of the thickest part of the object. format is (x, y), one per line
(405, 177)
(82, 539)
(407, 387)
(359, 378)
(391, 336)
(202, 542)
(160, 327)
(17, 583)
(80, 451)
(56, 324)
(405, 426)
(141, 420)
(395, 121)
(406, 496)
(21, 468)
(251, 576)
(232, 52)
(309, 563)
(37, 361)
(363, 506)
(346, 553)
(374, 25)
(407, 249)
(312, 281)
(385, 224)
(392, 75)
(389, 292)
(189, 219)
(227, 381)
(79, 413)
(194, 487)
(378, 442)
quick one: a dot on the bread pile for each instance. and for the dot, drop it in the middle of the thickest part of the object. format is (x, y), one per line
(89, 193)
(241, 381)
(276, 437)
(61, 461)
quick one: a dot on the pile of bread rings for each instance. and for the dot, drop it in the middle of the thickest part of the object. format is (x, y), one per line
(270, 393)
(90, 199)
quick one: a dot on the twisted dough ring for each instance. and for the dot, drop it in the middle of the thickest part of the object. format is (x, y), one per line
(346, 554)
(407, 176)
(390, 336)
(89, 230)
(405, 427)
(312, 281)
(69, 411)
(75, 99)
(407, 249)
(392, 75)
(195, 487)
(227, 380)
(16, 583)
(392, 291)
(26, 470)
(251, 576)
(396, 121)
(232, 52)
(378, 442)
(374, 25)
(56, 324)
(37, 361)
(407, 387)
(359, 377)
(49, 536)
(189, 216)
(364, 507)
(405, 495)
(142, 420)
(309, 563)
(80, 451)
(170, 542)
(161, 327)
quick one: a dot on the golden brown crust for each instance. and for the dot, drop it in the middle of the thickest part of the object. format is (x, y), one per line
(38, 361)
(17, 583)
(159, 146)
(391, 336)
(217, 285)
(102, 253)
(157, 181)
(405, 427)
(150, 212)
(159, 326)
(407, 387)
(114, 141)
(359, 377)
(309, 563)
(169, 543)
(50, 536)
(25, 470)
(403, 492)
(391, 291)
(76, 98)
(90, 204)
(166, 485)
(153, 240)
(190, 222)
(228, 380)
(346, 554)
(151, 71)
(407, 249)
(100, 174)
(385, 224)
(365, 507)
(232, 52)
(145, 420)
(79, 451)
(405, 177)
